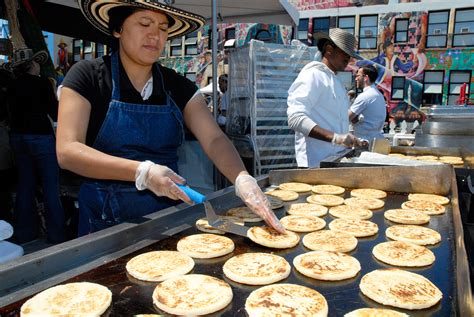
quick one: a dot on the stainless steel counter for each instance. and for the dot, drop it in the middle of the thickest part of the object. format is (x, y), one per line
(432, 140)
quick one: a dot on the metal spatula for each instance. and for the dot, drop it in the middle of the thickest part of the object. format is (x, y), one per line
(381, 146)
(213, 220)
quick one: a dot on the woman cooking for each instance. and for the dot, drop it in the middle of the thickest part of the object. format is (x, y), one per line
(121, 120)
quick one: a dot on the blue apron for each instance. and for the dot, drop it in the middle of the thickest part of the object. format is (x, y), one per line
(137, 132)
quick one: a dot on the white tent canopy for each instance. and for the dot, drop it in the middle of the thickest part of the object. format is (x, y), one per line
(242, 11)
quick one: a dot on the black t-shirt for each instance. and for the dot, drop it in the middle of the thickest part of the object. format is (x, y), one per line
(93, 80)
(31, 100)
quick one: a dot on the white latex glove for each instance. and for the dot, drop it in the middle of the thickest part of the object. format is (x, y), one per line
(161, 180)
(348, 140)
(247, 189)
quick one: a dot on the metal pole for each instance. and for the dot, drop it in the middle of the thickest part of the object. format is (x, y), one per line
(214, 59)
(215, 102)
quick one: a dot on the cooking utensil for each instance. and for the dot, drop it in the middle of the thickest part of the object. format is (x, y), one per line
(212, 218)
(381, 146)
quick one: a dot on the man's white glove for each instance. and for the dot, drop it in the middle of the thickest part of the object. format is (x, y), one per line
(161, 180)
(247, 189)
(348, 140)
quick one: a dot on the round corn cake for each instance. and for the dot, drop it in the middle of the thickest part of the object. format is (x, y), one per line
(427, 207)
(429, 158)
(307, 209)
(256, 268)
(328, 189)
(413, 234)
(329, 240)
(285, 195)
(192, 295)
(325, 200)
(397, 154)
(72, 299)
(429, 197)
(356, 227)
(375, 312)
(399, 288)
(346, 211)
(244, 214)
(205, 246)
(271, 238)
(368, 193)
(327, 265)
(407, 216)
(275, 203)
(286, 300)
(204, 226)
(364, 202)
(295, 187)
(157, 266)
(401, 253)
(298, 223)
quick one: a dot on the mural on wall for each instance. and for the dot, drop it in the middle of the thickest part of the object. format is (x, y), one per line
(302, 5)
(244, 32)
(405, 58)
(457, 59)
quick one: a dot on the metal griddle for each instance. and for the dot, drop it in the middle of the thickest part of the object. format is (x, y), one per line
(343, 159)
(132, 297)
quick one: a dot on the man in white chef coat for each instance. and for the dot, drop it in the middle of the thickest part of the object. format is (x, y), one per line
(318, 102)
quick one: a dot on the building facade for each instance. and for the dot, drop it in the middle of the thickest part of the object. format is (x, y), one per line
(424, 50)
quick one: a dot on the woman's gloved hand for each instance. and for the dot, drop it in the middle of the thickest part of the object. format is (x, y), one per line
(348, 140)
(161, 180)
(247, 189)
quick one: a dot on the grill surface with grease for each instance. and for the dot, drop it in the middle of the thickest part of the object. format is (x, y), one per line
(131, 296)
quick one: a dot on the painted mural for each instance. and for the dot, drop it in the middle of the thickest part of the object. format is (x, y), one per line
(244, 32)
(328, 4)
(456, 59)
(407, 59)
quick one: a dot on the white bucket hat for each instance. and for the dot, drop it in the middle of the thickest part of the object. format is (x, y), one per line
(341, 38)
(183, 22)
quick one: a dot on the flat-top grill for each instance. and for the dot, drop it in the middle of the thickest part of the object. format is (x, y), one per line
(132, 297)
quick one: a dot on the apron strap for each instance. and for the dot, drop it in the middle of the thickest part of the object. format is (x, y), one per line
(115, 76)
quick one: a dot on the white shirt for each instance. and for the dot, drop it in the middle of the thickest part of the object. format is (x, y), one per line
(371, 104)
(316, 97)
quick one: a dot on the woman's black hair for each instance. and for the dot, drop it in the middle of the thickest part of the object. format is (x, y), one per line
(118, 15)
(116, 18)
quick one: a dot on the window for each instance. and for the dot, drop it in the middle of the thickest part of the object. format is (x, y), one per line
(190, 76)
(302, 33)
(347, 23)
(398, 85)
(88, 48)
(76, 50)
(437, 29)
(464, 28)
(456, 79)
(190, 44)
(321, 25)
(176, 47)
(209, 34)
(99, 50)
(166, 49)
(368, 32)
(433, 87)
(401, 31)
(229, 34)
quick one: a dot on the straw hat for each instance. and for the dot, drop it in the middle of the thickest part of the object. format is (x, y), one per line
(24, 55)
(183, 22)
(342, 39)
(62, 44)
